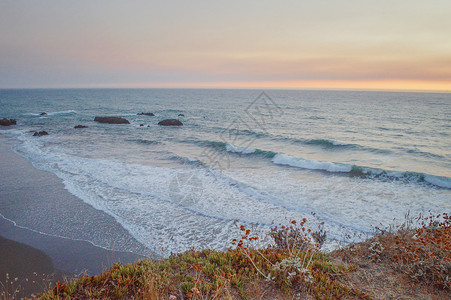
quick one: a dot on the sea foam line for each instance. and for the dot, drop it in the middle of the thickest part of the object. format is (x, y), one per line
(64, 112)
(333, 167)
(366, 172)
(60, 236)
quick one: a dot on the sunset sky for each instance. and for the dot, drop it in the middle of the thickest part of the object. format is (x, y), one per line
(264, 44)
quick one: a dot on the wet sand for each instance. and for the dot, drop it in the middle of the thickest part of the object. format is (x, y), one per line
(27, 248)
(25, 271)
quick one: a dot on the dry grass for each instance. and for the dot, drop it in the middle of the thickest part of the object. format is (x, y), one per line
(403, 263)
(382, 267)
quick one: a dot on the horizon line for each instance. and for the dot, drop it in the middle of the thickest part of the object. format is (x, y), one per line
(225, 88)
(345, 85)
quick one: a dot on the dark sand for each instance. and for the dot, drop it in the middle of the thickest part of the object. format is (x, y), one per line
(36, 214)
(25, 271)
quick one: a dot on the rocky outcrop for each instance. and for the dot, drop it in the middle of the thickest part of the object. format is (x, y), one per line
(40, 133)
(80, 126)
(43, 114)
(146, 114)
(111, 120)
(170, 122)
(181, 115)
(7, 122)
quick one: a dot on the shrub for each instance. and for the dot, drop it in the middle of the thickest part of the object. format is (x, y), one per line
(425, 253)
(294, 261)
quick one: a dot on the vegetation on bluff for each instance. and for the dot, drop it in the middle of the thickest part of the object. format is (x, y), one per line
(405, 262)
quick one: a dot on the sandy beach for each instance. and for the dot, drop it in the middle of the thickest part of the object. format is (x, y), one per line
(25, 270)
(27, 251)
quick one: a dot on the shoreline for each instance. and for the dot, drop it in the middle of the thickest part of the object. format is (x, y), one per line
(67, 255)
(29, 196)
(25, 270)
(382, 267)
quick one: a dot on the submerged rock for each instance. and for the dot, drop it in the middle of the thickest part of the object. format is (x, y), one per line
(146, 114)
(80, 126)
(40, 133)
(170, 122)
(111, 120)
(43, 114)
(7, 122)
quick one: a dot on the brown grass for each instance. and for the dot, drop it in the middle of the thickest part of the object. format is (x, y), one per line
(382, 267)
(407, 263)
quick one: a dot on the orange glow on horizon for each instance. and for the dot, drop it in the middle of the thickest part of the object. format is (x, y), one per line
(400, 85)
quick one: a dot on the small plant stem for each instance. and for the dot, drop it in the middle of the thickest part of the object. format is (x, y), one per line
(258, 270)
(261, 254)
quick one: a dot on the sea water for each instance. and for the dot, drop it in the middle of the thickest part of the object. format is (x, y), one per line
(350, 160)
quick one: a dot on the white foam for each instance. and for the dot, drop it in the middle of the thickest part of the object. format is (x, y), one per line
(64, 112)
(167, 215)
(139, 198)
(440, 181)
(237, 149)
(311, 164)
(347, 205)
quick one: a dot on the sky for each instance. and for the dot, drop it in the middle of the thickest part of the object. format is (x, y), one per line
(401, 45)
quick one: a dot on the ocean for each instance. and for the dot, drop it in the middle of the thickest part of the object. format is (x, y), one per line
(346, 160)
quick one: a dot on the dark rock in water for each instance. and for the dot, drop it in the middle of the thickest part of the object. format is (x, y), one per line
(141, 125)
(40, 133)
(43, 114)
(80, 126)
(111, 120)
(6, 122)
(146, 114)
(170, 122)
(181, 115)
